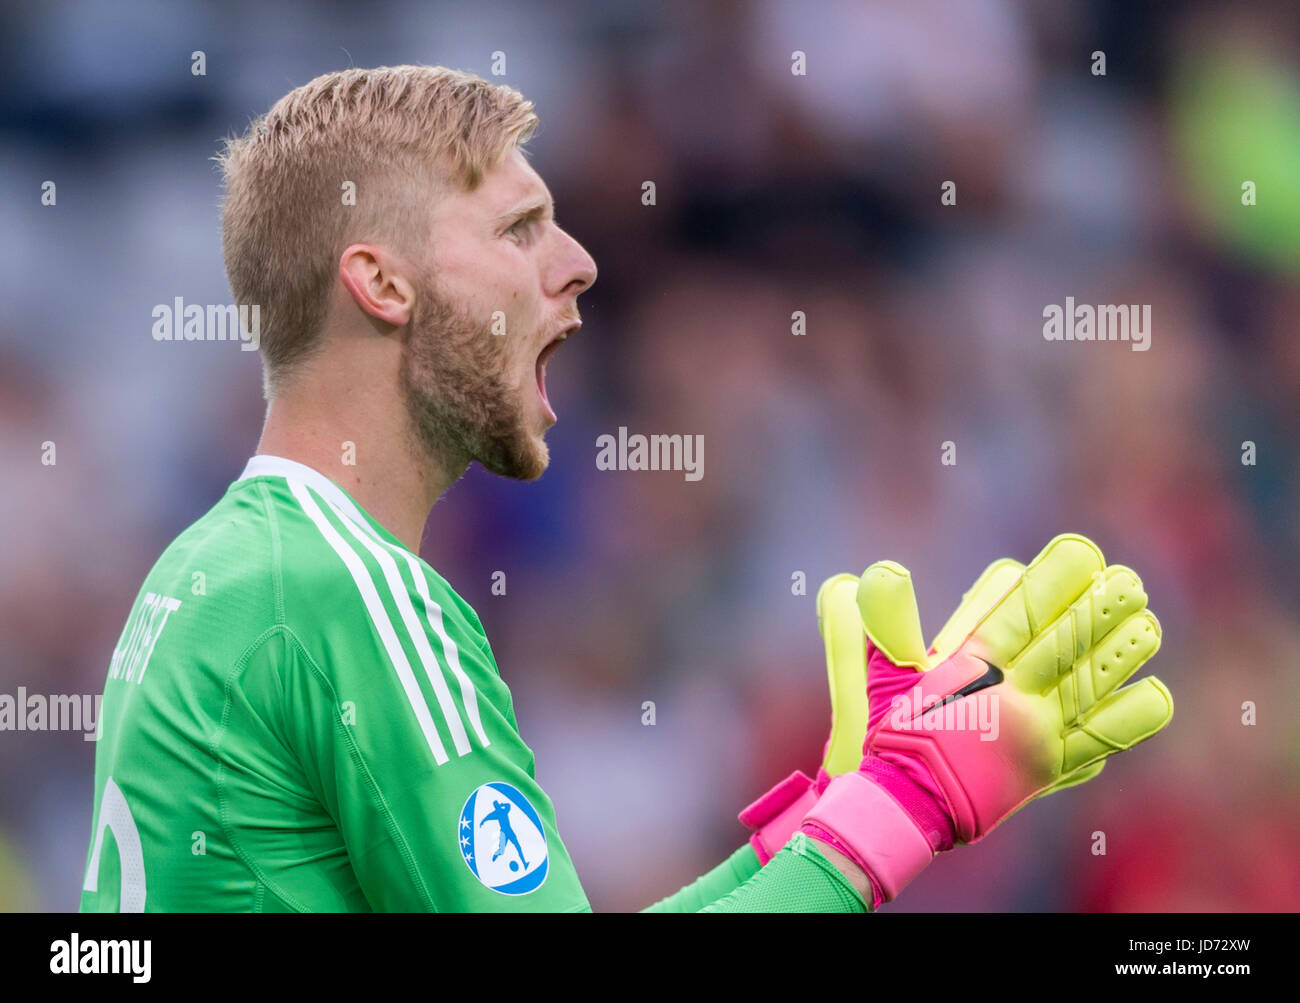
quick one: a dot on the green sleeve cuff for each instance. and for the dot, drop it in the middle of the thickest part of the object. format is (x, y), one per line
(798, 879)
(726, 877)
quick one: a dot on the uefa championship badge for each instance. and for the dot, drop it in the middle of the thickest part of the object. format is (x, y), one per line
(501, 839)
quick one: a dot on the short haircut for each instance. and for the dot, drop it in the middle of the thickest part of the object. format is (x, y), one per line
(400, 133)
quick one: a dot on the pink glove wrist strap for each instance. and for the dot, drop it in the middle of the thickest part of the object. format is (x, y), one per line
(919, 795)
(874, 829)
(776, 815)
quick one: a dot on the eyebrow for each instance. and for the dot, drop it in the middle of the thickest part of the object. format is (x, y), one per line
(530, 210)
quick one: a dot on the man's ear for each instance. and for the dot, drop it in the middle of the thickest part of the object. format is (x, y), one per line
(377, 284)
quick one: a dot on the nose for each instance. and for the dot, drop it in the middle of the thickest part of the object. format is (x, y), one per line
(575, 268)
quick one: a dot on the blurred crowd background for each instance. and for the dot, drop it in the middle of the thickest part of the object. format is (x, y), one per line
(776, 193)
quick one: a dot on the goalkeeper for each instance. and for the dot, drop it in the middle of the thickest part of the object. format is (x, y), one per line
(302, 715)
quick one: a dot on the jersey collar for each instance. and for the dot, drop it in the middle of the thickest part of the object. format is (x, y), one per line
(265, 465)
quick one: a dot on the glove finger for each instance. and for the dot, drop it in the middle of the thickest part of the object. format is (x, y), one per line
(887, 604)
(1119, 655)
(994, 582)
(1125, 718)
(1061, 653)
(1050, 584)
(846, 670)
(1076, 778)
(1110, 663)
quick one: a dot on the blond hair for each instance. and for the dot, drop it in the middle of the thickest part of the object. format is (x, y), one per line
(399, 133)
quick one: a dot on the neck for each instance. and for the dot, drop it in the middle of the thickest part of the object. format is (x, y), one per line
(388, 472)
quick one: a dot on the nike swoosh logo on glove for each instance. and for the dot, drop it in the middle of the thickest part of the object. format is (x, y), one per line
(990, 678)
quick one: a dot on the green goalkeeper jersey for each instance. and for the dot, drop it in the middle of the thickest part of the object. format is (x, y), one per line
(302, 715)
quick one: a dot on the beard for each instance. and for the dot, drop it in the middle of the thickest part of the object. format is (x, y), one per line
(459, 401)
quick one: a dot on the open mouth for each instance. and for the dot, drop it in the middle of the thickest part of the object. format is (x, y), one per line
(542, 358)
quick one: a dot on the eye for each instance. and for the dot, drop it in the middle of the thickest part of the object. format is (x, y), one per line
(519, 228)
